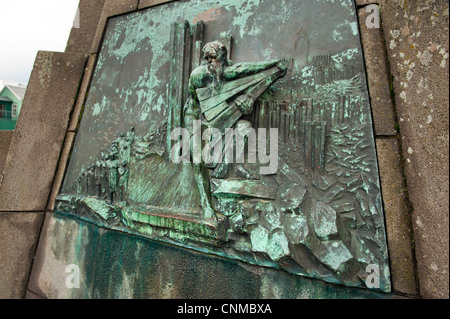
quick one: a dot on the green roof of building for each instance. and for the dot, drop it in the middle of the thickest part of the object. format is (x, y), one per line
(5, 99)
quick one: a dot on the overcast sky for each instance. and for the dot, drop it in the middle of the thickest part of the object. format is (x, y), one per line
(27, 26)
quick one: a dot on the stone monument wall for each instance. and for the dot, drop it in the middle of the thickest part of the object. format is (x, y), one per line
(407, 71)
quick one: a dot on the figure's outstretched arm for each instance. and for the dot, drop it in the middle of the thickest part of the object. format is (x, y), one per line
(202, 181)
(238, 70)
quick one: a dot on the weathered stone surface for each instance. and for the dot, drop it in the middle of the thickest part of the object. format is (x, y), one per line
(111, 8)
(323, 219)
(76, 114)
(296, 228)
(36, 144)
(32, 295)
(377, 76)
(290, 196)
(332, 253)
(398, 217)
(5, 141)
(367, 2)
(270, 217)
(149, 3)
(19, 234)
(278, 245)
(417, 43)
(82, 36)
(59, 175)
(259, 239)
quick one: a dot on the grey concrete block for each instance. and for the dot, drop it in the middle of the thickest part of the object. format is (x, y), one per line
(150, 3)
(82, 35)
(40, 131)
(18, 240)
(397, 216)
(368, 2)
(82, 94)
(59, 176)
(417, 43)
(377, 76)
(5, 142)
(32, 295)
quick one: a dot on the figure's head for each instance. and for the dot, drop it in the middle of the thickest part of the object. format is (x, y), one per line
(215, 51)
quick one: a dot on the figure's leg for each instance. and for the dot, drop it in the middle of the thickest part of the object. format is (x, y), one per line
(202, 182)
(200, 174)
(243, 129)
(221, 170)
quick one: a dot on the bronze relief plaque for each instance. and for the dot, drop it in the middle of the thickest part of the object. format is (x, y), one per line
(241, 129)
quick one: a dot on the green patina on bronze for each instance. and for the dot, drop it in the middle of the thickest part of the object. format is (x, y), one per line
(320, 215)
